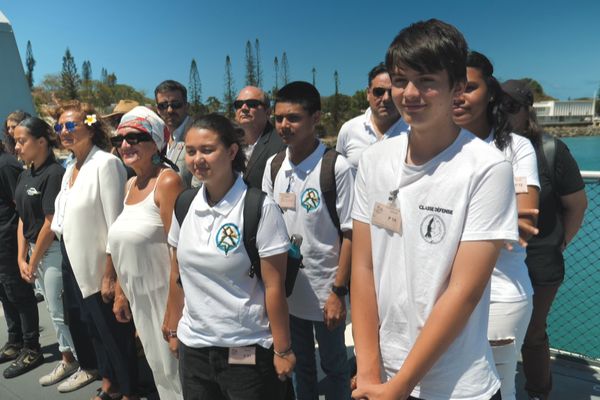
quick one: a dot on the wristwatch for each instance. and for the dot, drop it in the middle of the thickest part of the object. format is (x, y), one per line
(341, 291)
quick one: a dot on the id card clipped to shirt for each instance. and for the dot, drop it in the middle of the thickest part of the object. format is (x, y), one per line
(387, 216)
(521, 184)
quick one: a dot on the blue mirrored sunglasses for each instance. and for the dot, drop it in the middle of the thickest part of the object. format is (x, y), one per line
(70, 125)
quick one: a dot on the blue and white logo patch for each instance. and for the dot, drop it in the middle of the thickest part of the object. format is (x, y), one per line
(228, 238)
(310, 199)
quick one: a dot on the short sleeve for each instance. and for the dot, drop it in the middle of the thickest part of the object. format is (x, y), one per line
(112, 177)
(340, 145)
(53, 185)
(173, 236)
(272, 236)
(360, 207)
(568, 176)
(267, 185)
(525, 161)
(344, 181)
(9, 175)
(492, 208)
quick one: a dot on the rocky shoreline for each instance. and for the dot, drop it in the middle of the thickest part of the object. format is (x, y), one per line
(571, 131)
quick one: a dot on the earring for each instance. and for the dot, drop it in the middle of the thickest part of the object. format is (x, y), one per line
(156, 159)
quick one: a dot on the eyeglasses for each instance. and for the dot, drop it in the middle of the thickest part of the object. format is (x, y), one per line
(250, 103)
(175, 105)
(511, 106)
(379, 91)
(70, 125)
(131, 138)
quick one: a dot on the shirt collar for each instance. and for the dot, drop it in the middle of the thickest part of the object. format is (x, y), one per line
(51, 159)
(223, 207)
(306, 165)
(178, 134)
(394, 130)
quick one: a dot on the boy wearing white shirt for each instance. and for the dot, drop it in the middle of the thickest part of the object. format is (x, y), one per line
(432, 210)
(318, 299)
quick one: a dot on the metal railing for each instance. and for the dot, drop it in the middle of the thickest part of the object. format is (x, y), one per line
(574, 321)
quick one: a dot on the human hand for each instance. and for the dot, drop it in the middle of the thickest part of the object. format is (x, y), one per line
(378, 391)
(284, 365)
(526, 227)
(174, 346)
(334, 311)
(107, 290)
(121, 309)
(27, 272)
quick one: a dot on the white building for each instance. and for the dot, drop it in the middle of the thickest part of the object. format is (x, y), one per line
(564, 112)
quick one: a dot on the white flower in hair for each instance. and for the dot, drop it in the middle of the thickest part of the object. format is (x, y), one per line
(90, 120)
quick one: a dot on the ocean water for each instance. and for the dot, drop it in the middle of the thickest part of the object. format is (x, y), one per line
(574, 322)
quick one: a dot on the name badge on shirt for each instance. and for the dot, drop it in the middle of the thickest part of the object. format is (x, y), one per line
(242, 355)
(521, 184)
(387, 216)
(287, 201)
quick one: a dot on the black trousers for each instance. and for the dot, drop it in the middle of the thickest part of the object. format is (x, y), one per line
(206, 374)
(20, 310)
(100, 340)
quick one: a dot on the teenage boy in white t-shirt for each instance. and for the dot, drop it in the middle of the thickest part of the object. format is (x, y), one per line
(432, 210)
(318, 300)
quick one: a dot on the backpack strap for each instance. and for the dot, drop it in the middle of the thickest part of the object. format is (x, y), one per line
(549, 151)
(328, 186)
(253, 203)
(182, 204)
(276, 163)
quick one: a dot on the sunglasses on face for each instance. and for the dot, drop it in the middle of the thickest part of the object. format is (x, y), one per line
(131, 138)
(251, 103)
(379, 91)
(175, 105)
(69, 125)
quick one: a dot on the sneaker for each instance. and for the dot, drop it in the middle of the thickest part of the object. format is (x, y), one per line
(60, 372)
(79, 379)
(28, 359)
(10, 351)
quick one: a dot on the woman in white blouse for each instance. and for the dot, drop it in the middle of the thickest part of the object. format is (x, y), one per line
(90, 199)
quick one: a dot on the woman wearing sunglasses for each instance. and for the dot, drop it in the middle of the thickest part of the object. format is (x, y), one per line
(39, 251)
(482, 110)
(138, 240)
(232, 337)
(90, 199)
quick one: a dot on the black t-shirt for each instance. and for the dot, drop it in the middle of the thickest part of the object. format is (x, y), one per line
(544, 258)
(35, 194)
(10, 169)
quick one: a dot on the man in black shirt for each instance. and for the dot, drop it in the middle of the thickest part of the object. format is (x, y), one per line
(18, 300)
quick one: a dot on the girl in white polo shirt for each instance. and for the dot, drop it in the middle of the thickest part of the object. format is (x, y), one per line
(230, 330)
(481, 110)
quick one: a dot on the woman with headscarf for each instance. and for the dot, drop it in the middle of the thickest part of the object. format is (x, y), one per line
(138, 240)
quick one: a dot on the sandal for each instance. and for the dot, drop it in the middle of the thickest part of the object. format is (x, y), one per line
(102, 395)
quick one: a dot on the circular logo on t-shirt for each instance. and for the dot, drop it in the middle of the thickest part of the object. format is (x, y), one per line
(310, 199)
(433, 229)
(228, 237)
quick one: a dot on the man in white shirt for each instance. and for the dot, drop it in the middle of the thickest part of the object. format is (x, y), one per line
(381, 120)
(172, 107)
(432, 210)
(317, 303)
(252, 110)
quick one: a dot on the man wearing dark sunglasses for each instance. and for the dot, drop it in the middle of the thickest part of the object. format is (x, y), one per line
(172, 107)
(380, 121)
(252, 110)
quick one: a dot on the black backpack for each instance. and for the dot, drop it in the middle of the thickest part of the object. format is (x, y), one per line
(253, 203)
(326, 181)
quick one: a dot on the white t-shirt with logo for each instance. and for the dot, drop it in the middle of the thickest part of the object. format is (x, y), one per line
(465, 193)
(510, 279)
(310, 218)
(359, 133)
(224, 306)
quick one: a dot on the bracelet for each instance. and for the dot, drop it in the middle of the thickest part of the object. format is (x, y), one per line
(172, 334)
(282, 354)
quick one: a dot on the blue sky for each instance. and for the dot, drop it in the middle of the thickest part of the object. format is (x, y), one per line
(145, 42)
